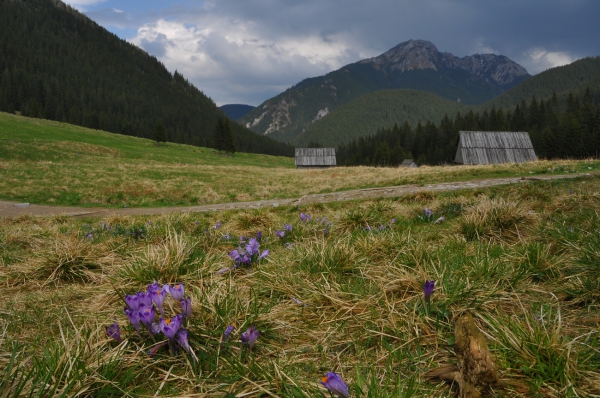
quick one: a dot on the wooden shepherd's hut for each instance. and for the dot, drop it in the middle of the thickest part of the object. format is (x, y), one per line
(494, 147)
(315, 157)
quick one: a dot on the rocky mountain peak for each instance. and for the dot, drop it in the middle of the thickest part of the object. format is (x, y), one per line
(422, 54)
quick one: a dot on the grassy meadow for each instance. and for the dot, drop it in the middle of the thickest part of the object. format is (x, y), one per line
(522, 259)
(344, 294)
(54, 163)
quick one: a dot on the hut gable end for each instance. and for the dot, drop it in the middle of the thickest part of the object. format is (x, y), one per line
(494, 147)
(315, 157)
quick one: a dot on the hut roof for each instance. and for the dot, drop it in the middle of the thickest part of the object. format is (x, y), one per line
(315, 157)
(407, 162)
(487, 147)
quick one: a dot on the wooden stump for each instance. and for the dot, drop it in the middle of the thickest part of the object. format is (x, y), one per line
(475, 370)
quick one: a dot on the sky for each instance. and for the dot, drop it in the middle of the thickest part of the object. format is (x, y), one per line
(247, 51)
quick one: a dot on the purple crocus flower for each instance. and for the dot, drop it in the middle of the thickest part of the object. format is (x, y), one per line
(289, 246)
(158, 297)
(227, 333)
(114, 332)
(175, 291)
(154, 286)
(428, 212)
(182, 339)
(227, 236)
(279, 234)
(144, 298)
(223, 270)
(218, 225)
(146, 314)
(259, 236)
(252, 247)
(368, 228)
(439, 220)
(132, 301)
(186, 307)
(304, 217)
(134, 318)
(264, 254)
(171, 326)
(428, 289)
(234, 254)
(250, 336)
(393, 221)
(287, 227)
(89, 235)
(335, 384)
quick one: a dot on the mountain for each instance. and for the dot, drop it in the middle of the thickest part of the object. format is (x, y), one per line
(236, 111)
(363, 116)
(415, 64)
(56, 63)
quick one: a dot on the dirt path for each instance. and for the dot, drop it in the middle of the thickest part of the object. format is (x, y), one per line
(12, 209)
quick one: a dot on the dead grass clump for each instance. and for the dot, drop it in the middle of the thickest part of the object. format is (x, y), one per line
(254, 220)
(71, 259)
(497, 220)
(422, 198)
(168, 261)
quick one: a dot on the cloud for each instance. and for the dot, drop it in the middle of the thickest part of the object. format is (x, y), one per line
(222, 56)
(246, 52)
(539, 59)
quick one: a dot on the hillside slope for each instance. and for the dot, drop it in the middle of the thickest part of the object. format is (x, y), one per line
(415, 64)
(56, 63)
(382, 109)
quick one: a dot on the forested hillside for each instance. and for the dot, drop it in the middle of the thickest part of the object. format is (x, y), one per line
(57, 64)
(556, 131)
(382, 109)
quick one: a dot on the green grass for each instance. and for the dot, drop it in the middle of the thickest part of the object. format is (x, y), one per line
(53, 163)
(347, 300)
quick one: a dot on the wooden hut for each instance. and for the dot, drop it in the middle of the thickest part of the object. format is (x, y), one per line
(493, 147)
(315, 157)
(408, 163)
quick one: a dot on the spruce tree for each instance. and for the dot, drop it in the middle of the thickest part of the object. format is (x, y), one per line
(229, 145)
(218, 136)
(158, 134)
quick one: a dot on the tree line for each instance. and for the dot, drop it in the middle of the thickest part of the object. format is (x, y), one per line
(57, 64)
(558, 129)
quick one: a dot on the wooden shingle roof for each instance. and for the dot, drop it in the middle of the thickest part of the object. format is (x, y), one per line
(493, 147)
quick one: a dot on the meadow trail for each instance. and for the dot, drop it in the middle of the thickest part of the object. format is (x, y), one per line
(13, 209)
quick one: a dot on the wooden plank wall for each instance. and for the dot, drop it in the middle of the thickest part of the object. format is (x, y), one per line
(315, 157)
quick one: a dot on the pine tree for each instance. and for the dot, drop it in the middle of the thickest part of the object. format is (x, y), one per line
(158, 134)
(229, 145)
(218, 136)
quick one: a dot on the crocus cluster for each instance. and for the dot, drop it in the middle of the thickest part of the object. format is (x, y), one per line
(381, 226)
(141, 310)
(305, 217)
(281, 234)
(334, 383)
(247, 255)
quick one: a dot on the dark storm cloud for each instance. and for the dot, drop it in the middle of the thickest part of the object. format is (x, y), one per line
(241, 49)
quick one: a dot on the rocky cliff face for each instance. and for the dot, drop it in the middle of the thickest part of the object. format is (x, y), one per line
(415, 64)
(421, 54)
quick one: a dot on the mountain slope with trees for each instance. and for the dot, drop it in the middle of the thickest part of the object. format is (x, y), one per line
(415, 64)
(382, 109)
(56, 63)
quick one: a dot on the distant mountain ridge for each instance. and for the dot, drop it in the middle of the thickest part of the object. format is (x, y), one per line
(415, 64)
(236, 111)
